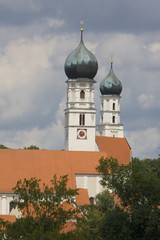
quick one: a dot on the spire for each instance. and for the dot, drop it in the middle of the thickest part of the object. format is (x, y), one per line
(111, 85)
(111, 63)
(81, 23)
(81, 63)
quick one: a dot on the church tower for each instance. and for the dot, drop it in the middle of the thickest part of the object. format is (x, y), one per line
(80, 114)
(110, 89)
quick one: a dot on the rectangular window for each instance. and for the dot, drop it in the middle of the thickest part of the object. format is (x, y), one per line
(113, 106)
(113, 119)
(82, 119)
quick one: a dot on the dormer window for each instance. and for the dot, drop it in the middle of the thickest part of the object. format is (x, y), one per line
(82, 94)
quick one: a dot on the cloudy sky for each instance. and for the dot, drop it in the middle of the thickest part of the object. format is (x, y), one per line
(36, 36)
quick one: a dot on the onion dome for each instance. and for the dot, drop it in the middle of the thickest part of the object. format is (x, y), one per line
(111, 85)
(81, 63)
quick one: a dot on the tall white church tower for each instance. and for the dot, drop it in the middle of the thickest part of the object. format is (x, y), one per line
(110, 89)
(80, 114)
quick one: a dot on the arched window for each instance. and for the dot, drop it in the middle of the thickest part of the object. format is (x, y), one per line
(113, 119)
(82, 119)
(82, 94)
(11, 205)
(91, 199)
(113, 106)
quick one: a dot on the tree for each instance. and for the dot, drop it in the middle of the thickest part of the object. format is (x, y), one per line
(3, 225)
(104, 201)
(3, 146)
(88, 225)
(44, 213)
(114, 225)
(32, 147)
(138, 188)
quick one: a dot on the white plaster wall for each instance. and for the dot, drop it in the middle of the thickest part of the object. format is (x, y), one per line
(91, 182)
(76, 106)
(5, 199)
(106, 126)
(110, 130)
(72, 118)
(3, 204)
(73, 93)
(92, 188)
(75, 144)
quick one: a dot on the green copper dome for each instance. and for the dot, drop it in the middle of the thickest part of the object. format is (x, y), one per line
(111, 85)
(81, 63)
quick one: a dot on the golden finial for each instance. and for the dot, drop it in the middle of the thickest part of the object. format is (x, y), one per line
(111, 61)
(81, 23)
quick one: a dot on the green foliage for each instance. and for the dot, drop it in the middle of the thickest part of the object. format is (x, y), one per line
(138, 187)
(44, 216)
(104, 201)
(3, 146)
(135, 217)
(88, 225)
(32, 147)
(114, 225)
(3, 225)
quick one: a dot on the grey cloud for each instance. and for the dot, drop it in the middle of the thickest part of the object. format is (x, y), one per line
(32, 65)
(122, 15)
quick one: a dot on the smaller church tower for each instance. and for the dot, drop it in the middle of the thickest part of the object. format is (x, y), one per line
(110, 89)
(80, 114)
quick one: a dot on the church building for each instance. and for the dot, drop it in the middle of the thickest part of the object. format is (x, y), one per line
(85, 142)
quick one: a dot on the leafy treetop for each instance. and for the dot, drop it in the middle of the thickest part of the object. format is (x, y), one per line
(3, 146)
(44, 214)
(138, 188)
(32, 147)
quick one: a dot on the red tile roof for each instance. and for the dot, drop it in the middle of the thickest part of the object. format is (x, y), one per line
(115, 147)
(69, 226)
(9, 218)
(43, 164)
(83, 197)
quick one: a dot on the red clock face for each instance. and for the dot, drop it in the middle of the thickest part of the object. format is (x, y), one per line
(81, 133)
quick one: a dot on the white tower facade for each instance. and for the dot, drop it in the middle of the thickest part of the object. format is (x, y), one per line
(80, 113)
(80, 117)
(110, 89)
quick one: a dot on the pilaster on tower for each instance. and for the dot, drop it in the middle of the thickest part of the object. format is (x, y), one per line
(110, 89)
(80, 114)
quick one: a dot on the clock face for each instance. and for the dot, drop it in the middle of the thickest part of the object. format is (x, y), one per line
(81, 133)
